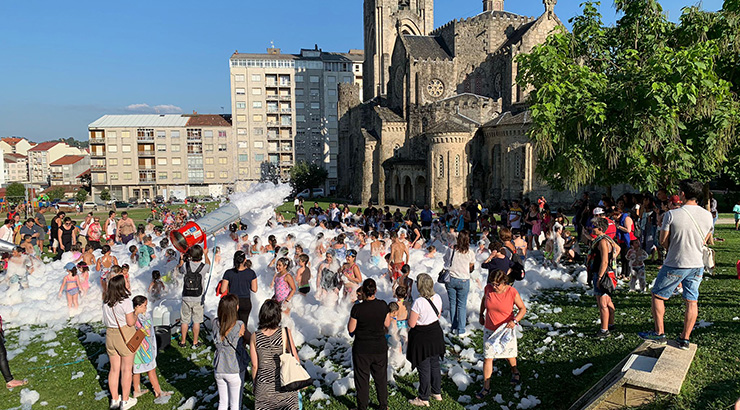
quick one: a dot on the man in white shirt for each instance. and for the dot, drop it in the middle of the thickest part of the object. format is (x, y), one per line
(685, 231)
(334, 214)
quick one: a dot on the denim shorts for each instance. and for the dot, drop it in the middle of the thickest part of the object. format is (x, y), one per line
(669, 278)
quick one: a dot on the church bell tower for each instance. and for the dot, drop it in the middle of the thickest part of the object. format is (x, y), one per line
(384, 20)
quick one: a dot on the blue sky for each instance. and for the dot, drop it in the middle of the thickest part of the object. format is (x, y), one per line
(64, 64)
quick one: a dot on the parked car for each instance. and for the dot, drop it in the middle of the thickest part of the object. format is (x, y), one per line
(90, 205)
(317, 193)
(192, 200)
(159, 199)
(123, 204)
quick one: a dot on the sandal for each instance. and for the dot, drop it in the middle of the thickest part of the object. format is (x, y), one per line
(419, 402)
(181, 344)
(483, 393)
(197, 345)
(516, 378)
(15, 383)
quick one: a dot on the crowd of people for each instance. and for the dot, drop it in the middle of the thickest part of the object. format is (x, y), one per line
(613, 238)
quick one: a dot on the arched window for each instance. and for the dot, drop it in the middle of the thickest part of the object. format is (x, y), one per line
(457, 165)
(441, 167)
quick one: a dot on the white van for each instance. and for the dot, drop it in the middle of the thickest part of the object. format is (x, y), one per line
(317, 193)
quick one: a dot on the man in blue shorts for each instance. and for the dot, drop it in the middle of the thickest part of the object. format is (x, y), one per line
(685, 231)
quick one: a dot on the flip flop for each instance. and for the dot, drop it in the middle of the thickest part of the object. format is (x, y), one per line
(15, 383)
(483, 393)
(516, 378)
(181, 344)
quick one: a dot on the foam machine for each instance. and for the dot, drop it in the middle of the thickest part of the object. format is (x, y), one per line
(6, 246)
(194, 233)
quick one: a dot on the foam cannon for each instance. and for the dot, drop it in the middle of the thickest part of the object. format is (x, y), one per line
(6, 246)
(194, 233)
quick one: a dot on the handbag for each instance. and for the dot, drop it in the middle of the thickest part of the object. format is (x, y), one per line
(292, 375)
(444, 274)
(608, 282)
(707, 253)
(135, 341)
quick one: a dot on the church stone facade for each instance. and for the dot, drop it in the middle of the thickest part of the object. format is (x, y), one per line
(443, 118)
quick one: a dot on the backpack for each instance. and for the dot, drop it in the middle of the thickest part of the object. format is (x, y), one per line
(517, 265)
(193, 281)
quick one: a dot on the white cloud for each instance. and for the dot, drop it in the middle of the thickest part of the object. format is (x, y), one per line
(157, 109)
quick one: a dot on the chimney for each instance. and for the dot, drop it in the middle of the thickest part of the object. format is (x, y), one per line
(493, 5)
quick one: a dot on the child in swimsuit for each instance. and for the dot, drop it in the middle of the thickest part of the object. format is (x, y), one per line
(303, 275)
(283, 283)
(71, 285)
(84, 275)
(327, 275)
(156, 287)
(400, 317)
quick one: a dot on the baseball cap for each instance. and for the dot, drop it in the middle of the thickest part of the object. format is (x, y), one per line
(676, 199)
(70, 266)
(598, 211)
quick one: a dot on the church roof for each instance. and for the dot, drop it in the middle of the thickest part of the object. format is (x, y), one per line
(387, 115)
(518, 34)
(507, 118)
(448, 127)
(426, 47)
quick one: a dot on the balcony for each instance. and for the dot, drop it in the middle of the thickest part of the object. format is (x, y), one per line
(272, 123)
(97, 140)
(98, 168)
(145, 138)
(152, 167)
(285, 83)
(195, 180)
(272, 97)
(147, 176)
(286, 163)
(285, 98)
(94, 154)
(272, 110)
(146, 153)
(286, 110)
(287, 149)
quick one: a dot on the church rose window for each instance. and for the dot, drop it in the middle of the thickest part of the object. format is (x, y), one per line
(435, 88)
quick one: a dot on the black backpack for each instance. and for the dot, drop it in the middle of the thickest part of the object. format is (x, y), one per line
(193, 281)
(517, 266)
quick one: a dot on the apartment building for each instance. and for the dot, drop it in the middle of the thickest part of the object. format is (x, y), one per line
(142, 156)
(16, 167)
(285, 107)
(15, 145)
(68, 169)
(42, 155)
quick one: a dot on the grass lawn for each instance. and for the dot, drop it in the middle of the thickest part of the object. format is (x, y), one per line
(64, 370)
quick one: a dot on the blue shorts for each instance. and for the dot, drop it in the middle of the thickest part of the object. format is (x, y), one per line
(669, 278)
(595, 284)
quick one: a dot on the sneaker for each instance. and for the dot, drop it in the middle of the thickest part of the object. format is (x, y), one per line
(131, 402)
(115, 404)
(463, 334)
(683, 344)
(602, 334)
(652, 336)
(612, 327)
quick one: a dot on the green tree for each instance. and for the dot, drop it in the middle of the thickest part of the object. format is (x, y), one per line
(81, 195)
(629, 103)
(306, 175)
(105, 194)
(56, 192)
(15, 192)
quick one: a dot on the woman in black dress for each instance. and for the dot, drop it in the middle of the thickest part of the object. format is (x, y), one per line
(66, 236)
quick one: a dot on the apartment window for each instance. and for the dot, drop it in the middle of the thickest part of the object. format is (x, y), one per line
(177, 175)
(331, 79)
(195, 162)
(259, 144)
(125, 134)
(300, 118)
(194, 132)
(161, 148)
(241, 104)
(315, 106)
(222, 147)
(195, 173)
(176, 161)
(299, 78)
(209, 161)
(243, 171)
(175, 134)
(113, 162)
(314, 79)
(300, 106)
(259, 157)
(223, 160)
(243, 157)
(210, 175)
(332, 92)
(332, 118)
(257, 117)
(222, 134)
(114, 176)
(314, 92)
(127, 176)
(256, 77)
(258, 131)
(195, 148)
(161, 161)
(162, 175)
(208, 134)
(241, 131)
(111, 135)
(112, 148)
(242, 145)
(239, 78)
(175, 148)
(256, 91)
(125, 148)
(209, 148)
(299, 91)
(127, 162)
(145, 132)
(256, 104)
(223, 174)
(240, 91)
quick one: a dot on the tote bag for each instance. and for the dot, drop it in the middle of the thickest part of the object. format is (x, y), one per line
(292, 375)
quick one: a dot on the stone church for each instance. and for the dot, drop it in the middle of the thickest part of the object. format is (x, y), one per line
(443, 117)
